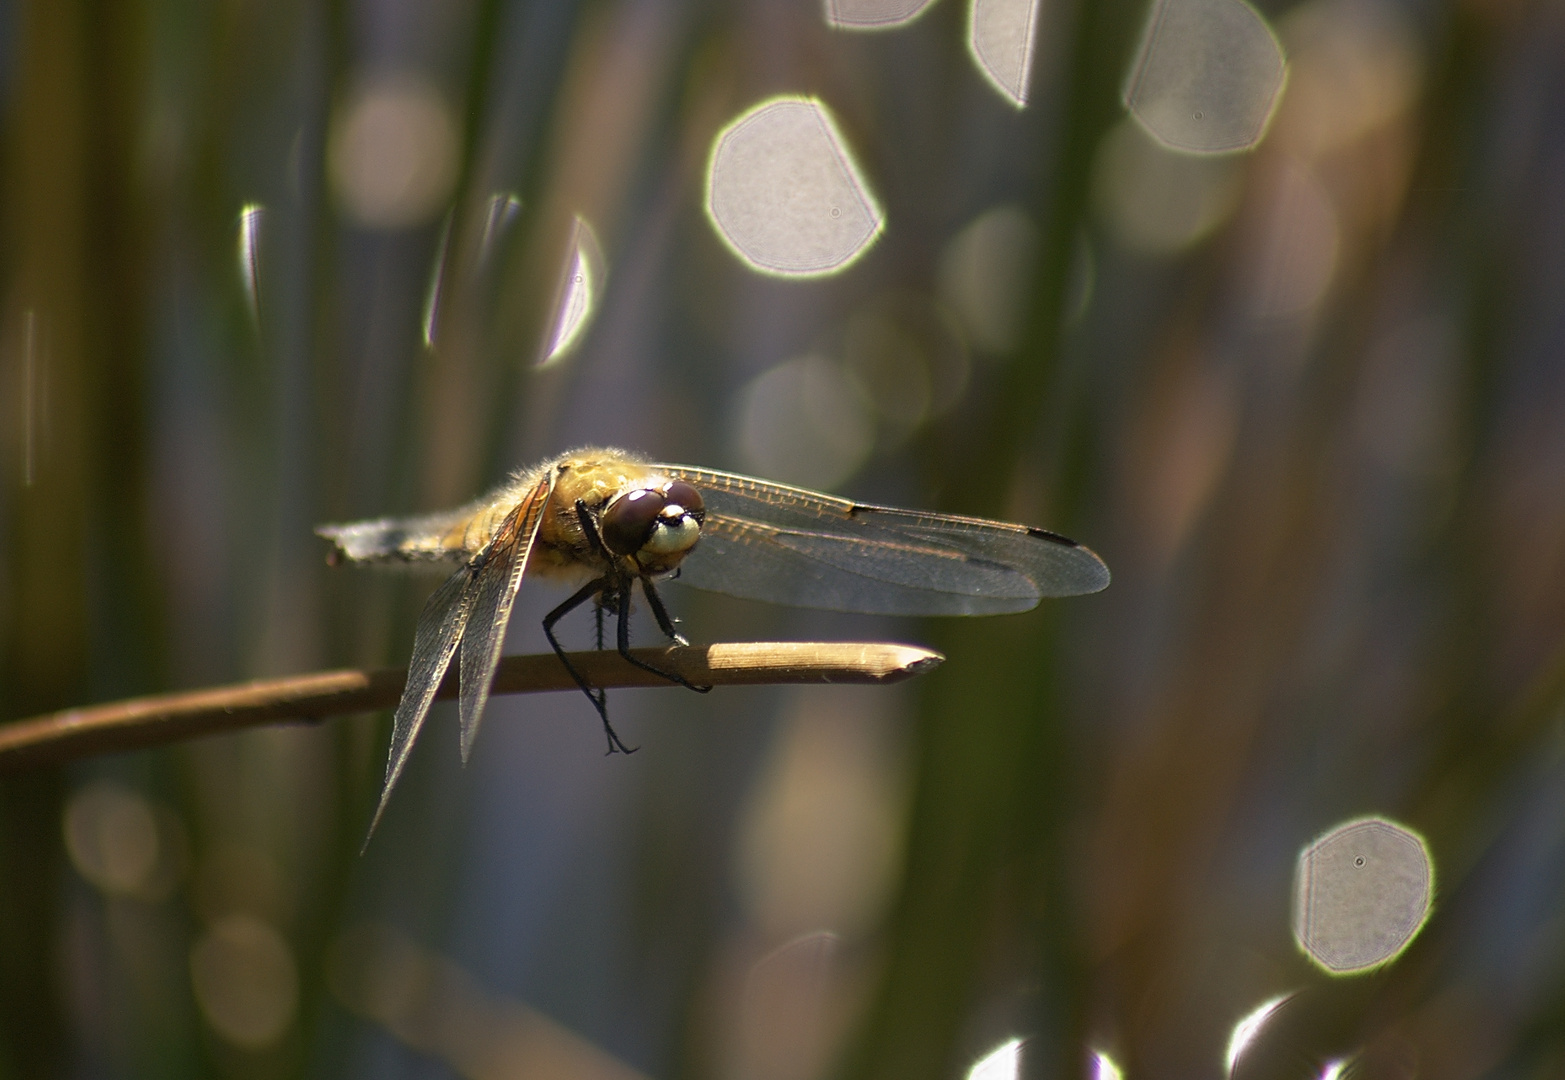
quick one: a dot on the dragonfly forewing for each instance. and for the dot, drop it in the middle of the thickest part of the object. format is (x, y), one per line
(440, 627)
(1055, 565)
(499, 577)
(771, 542)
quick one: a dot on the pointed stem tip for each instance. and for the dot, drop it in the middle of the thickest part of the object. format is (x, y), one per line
(139, 723)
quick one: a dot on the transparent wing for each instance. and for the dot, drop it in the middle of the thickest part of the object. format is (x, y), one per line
(499, 576)
(440, 627)
(786, 545)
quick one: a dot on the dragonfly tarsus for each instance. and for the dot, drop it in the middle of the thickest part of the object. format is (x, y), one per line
(666, 624)
(660, 613)
(623, 601)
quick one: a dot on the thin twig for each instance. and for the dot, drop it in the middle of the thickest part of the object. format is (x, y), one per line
(156, 721)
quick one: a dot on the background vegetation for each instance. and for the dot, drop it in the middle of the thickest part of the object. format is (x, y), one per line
(1304, 400)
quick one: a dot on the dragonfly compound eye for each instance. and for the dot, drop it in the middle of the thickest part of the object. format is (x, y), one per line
(683, 495)
(628, 519)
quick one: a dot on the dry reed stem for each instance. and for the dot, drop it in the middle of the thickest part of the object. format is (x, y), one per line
(156, 721)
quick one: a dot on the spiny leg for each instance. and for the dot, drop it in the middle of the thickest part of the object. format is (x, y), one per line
(624, 642)
(660, 613)
(666, 624)
(597, 695)
(589, 529)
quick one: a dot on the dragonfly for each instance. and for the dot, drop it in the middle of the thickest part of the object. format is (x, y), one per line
(609, 521)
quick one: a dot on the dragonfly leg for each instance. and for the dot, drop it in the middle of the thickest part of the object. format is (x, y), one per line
(595, 694)
(615, 742)
(660, 613)
(589, 529)
(664, 623)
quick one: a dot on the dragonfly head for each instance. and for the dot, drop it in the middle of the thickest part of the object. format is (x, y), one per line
(656, 525)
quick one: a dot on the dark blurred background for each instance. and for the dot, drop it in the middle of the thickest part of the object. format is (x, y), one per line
(272, 265)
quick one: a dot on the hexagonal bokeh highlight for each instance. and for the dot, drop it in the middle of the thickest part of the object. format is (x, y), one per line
(1361, 894)
(785, 194)
(1208, 76)
(873, 14)
(1002, 36)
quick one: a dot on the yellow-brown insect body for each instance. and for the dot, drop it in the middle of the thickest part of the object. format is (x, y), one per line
(594, 477)
(614, 522)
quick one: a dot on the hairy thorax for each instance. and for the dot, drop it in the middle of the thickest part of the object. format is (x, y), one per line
(593, 477)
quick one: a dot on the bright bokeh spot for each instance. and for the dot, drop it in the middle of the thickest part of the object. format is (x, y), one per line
(499, 215)
(1156, 201)
(581, 280)
(428, 1002)
(909, 360)
(1003, 38)
(1002, 1063)
(504, 208)
(803, 422)
(1208, 75)
(985, 272)
(784, 192)
(250, 218)
(245, 981)
(1333, 1070)
(789, 1024)
(873, 14)
(392, 153)
(111, 835)
(1104, 1067)
(887, 362)
(437, 277)
(1353, 68)
(820, 842)
(1361, 895)
(1248, 1027)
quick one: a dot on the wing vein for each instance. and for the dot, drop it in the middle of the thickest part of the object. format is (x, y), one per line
(780, 544)
(440, 627)
(504, 563)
